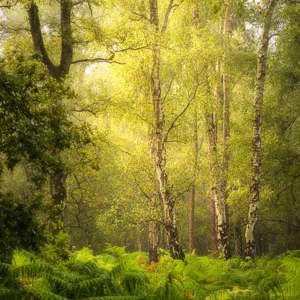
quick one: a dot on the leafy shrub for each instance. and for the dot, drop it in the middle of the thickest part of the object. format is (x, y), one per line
(18, 227)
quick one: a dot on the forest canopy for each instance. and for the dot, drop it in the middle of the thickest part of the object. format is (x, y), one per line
(167, 127)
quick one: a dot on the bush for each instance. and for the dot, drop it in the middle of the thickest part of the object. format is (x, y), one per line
(18, 227)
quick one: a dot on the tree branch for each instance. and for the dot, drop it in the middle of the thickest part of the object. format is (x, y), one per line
(37, 37)
(167, 14)
(131, 49)
(145, 194)
(96, 60)
(168, 90)
(7, 5)
(84, 110)
(142, 16)
(181, 113)
(66, 37)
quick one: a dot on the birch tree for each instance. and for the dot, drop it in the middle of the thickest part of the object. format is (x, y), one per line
(159, 132)
(257, 127)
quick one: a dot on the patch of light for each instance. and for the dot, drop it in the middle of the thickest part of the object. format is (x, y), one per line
(46, 29)
(248, 26)
(89, 69)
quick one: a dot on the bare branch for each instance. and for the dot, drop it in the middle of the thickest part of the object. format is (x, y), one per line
(142, 16)
(171, 6)
(8, 6)
(131, 49)
(144, 120)
(167, 15)
(273, 35)
(90, 8)
(82, 110)
(146, 195)
(182, 112)
(96, 60)
(168, 90)
(6, 28)
(77, 3)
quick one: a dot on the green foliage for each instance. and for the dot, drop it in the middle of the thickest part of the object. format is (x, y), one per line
(19, 227)
(121, 275)
(33, 118)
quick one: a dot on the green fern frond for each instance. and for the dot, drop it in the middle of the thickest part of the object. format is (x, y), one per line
(43, 294)
(7, 294)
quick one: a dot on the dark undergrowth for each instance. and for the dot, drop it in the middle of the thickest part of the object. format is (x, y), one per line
(116, 274)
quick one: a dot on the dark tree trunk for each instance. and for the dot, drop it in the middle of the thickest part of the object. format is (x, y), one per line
(58, 194)
(58, 178)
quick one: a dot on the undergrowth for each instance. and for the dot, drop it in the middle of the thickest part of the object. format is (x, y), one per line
(116, 274)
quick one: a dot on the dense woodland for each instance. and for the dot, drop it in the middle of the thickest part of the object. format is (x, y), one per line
(149, 149)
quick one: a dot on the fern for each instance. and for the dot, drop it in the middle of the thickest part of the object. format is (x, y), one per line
(120, 275)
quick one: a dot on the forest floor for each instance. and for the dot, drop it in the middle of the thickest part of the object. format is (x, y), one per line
(115, 274)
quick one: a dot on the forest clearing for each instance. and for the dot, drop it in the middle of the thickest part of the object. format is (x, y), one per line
(150, 149)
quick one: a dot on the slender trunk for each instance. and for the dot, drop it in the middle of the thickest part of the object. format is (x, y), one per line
(138, 240)
(192, 219)
(160, 143)
(211, 128)
(193, 188)
(213, 225)
(153, 226)
(256, 139)
(238, 240)
(58, 194)
(219, 215)
(219, 235)
(153, 239)
(222, 224)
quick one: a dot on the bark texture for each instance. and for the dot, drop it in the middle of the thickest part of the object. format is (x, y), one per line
(222, 210)
(159, 140)
(58, 194)
(192, 219)
(212, 134)
(193, 188)
(257, 125)
(153, 238)
(58, 72)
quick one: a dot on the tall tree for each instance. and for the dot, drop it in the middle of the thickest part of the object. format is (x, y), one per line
(58, 72)
(219, 170)
(194, 184)
(222, 213)
(257, 126)
(211, 127)
(159, 134)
